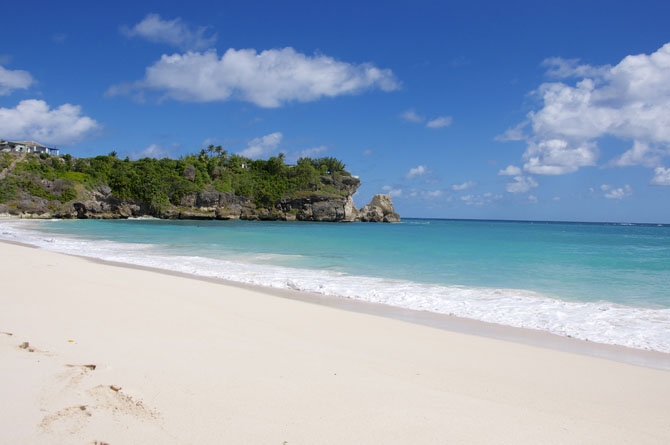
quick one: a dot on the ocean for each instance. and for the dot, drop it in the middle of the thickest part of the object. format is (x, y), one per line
(606, 283)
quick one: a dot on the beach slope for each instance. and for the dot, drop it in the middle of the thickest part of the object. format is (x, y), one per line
(97, 353)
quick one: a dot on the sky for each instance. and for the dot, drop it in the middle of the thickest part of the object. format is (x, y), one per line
(520, 110)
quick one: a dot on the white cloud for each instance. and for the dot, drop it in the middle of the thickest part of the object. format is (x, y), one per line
(629, 101)
(439, 122)
(563, 68)
(155, 151)
(392, 192)
(558, 157)
(34, 120)
(521, 184)
(510, 170)
(11, 80)
(464, 186)
(173, 32)
(309, 152)
(368, 152)
(661, 176)
(412, 116)
(263, 146)
(513, 134)
(416, 171)
(618, 193)
(431, 194)
(268, 79)
(532, 198)
(640, 154)
(480, 200)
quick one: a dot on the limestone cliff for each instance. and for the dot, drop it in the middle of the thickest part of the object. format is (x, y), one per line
(226, 206)
(108, 188)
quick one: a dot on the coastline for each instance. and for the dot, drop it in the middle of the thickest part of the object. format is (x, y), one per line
(126, 354)
(448, 322)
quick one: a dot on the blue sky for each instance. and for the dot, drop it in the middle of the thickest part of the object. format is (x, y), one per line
(478, 109)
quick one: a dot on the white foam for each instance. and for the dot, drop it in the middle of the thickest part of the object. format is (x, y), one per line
(601, 322)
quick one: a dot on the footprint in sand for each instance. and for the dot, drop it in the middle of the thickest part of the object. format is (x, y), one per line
(75, 374)
(103, 401)
(120, 404)
(71, 420)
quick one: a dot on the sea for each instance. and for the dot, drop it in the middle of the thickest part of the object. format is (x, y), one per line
(605, 283)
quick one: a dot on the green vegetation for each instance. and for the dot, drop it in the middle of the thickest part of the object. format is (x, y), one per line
(159, 183)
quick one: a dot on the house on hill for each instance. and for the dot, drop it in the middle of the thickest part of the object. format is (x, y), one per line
(27, 147)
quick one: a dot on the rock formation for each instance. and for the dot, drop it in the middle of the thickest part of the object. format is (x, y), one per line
(380, 209)
(226, 206)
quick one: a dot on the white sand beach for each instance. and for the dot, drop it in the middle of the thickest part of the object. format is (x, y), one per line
(96, 353)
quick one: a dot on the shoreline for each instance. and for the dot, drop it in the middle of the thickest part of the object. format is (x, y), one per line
(102, 352)
(452, 323)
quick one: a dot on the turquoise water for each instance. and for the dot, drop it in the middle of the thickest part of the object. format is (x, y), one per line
(602, 282)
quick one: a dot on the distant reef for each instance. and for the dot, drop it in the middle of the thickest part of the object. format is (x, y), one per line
(208, 185)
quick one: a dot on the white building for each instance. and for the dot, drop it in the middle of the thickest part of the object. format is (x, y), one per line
(26, 147)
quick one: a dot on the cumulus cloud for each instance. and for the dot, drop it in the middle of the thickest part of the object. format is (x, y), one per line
(262, 146)
(661, 176)
(268, 79)
(560, 68)
(439, 122)
(629, 101)
(641, 154)
(172, 32)
(416, 171)
(464, 186)
(521, 184)
(510, 170)
(11, 80)
(412, 116)
(557, 157)
(392, 192)
(35, 120)
(617, 193)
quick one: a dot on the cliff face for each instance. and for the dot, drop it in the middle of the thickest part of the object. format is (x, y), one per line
(226, 206)
(330, 199)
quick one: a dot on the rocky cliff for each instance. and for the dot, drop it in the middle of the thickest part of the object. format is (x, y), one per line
(35, 188)
(226, 206)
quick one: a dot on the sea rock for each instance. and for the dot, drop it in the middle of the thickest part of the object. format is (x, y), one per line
(380, 209)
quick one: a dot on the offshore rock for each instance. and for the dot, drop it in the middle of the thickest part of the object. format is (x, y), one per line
(380, 209)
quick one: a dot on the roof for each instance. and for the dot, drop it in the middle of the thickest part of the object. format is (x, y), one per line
(28, 143)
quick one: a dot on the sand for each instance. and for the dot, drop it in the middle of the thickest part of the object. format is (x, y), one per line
(97, 353)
